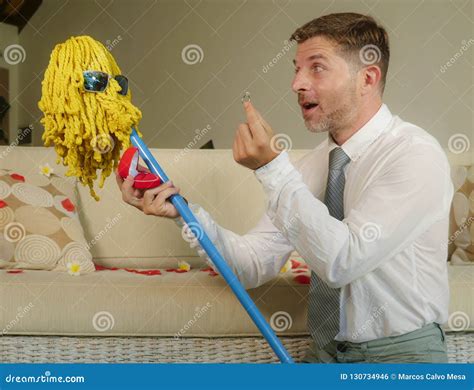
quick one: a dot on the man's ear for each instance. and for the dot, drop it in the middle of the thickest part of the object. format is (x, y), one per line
(371, 78)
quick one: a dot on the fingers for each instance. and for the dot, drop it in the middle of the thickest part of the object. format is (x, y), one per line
(155, 198)
(151, 201)
(255, 121)
(128, 193)
(137, 193)
(245, 134)
(264, 123)
(151, 194)
(127, 185)
(165, 194)
(252, 117)
(157, 204)
(236, 146)
(251, 113)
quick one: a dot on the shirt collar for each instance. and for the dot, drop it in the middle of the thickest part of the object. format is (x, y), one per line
(355, 146)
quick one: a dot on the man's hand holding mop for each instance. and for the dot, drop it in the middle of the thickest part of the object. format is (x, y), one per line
(252, 148)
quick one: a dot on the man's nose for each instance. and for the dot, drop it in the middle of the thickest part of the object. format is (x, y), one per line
(301, 82)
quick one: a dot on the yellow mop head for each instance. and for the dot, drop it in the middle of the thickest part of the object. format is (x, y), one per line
(88, 129)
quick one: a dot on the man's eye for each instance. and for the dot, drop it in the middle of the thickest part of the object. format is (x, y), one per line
(317, 68)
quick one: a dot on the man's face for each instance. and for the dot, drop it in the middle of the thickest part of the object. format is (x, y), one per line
(326, 86)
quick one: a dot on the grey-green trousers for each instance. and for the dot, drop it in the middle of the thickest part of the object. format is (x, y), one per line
(424, 345)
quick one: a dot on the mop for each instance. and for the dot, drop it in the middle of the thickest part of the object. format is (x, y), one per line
(89, 119)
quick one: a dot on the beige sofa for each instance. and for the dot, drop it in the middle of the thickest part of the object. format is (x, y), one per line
(177, 305)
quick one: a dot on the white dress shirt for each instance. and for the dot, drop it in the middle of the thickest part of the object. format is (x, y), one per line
(389, 253)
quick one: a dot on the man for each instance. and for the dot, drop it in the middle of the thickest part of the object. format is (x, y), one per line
(367, 208)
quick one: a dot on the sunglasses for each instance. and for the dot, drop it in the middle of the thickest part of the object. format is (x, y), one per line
(96, 81)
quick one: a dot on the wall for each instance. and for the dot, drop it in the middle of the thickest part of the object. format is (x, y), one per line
(9, 36)
(429, 82)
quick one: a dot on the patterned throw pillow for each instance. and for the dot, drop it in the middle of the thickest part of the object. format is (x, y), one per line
(39, 223)
(461, 235)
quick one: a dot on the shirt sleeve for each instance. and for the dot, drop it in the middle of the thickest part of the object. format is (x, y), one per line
(410, 193)
(255, 257)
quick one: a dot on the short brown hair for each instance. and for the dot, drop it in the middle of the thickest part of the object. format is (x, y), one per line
(358, 36)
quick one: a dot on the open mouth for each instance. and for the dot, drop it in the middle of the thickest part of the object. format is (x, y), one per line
(308, 107)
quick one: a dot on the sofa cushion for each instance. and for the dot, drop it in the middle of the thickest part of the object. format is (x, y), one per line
(187, 304)
(461, 237)
(120, 302)
(39, 223)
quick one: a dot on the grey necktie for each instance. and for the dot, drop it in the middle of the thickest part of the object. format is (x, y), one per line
(323, 303)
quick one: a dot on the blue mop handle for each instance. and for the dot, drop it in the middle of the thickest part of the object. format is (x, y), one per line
(214, 254)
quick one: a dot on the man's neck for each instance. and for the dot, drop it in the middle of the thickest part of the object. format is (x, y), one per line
(341, 136)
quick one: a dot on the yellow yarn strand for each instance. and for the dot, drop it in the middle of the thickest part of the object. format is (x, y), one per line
(88, 129)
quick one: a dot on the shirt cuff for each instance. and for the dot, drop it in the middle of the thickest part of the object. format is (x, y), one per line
(276, 173)
(203, 217)
(274, 176)
(195, 208)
